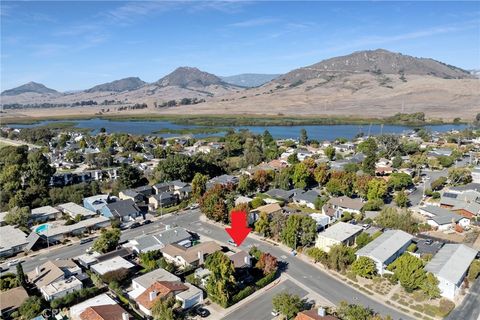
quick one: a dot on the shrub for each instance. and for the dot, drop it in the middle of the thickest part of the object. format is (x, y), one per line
(242, 294)
(115, 275)
(265, 280)
(445, 307)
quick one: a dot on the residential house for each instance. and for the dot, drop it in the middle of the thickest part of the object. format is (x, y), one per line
(146, 243)
(58, 231)
(321, 219)
(443, 219)
(223, 180)
(125, 210)
(162, 289)
(269, 209)
(306, 199)
(338, 233)
(162, 200)
(105, 312)
(82, 311)
(242, 200)
(114, 264)
(131, 194)
(143, 282)
(337, 206)
(191, 256)
(96, 203)
(315, 314)
(386, 248)
(241, 259)
(450, 266)
(44, 214)
(11, 300)
(74, 210)
(145, 191)
(12, 241)
(181, 189)
(285, 195)
(55, 279)
(465, 203)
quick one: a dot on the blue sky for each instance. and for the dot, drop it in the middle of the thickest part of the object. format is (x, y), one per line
(69, 45)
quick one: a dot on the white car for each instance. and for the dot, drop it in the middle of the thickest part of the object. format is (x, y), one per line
(275, 313)
(232, 243)
(13, 262)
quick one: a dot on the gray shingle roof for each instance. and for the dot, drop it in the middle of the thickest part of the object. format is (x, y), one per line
(386, 245)
(309, 196)
(451, 262)
(123, 207)
(442, 215)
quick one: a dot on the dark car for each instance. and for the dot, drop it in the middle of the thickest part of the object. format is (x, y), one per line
(202, 312)
(135, 225)
(147, 221)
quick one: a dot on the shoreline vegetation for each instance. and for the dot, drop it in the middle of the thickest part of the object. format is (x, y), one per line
(233, 120)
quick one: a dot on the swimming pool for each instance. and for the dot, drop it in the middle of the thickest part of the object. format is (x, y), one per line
(42, 228)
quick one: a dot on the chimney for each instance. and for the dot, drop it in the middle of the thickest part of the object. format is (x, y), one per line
(125, 316)
(247, 260)
(152, 295)
(37, 270)
(321, 312)
(200, 257)
(176, 232)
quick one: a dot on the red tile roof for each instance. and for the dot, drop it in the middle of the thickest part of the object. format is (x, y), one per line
(106, 312)
(162, 289)
(313, 315)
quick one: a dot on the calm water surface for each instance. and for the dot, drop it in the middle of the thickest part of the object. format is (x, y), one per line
(319, 132)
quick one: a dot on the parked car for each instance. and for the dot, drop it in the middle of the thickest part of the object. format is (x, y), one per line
(232, 243)
(135, 225)
(147, 221)
(275, 313)
(13, 262)
(202, 312)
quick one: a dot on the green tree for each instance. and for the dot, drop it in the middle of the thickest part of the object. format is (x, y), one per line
(303, 137)
(301, 176)
(330, 152)
(321, 174)
(221, 282)
(293, 159)
(408, 269)
(18, 216)
(340, 257)
(377, 189)
(317, 254)
(438, 184)
(394, 218)
(397, 162)
(277, 225)
(30, 308)
(430, 286)
(364, 267)
(282, 179)
(262, 225)
(369, 147)
(21, 275)
(162, 309)
(199, 185)
(212, 204)
(107, 241)
(363, 239)
(261, 179)
(474, 270)
(353, 312)
(401, 199)
(299, 230)
(373, 205)
(257, 202)
(459, 176)
(129, 177)
(287, 304)
(267, 138)
(400, 180)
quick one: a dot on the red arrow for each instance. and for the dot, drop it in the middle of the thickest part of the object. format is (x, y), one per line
(239, 231)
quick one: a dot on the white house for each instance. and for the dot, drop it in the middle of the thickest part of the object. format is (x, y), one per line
(450, 266)
(339, 233)
(386, 248)
(443, 219)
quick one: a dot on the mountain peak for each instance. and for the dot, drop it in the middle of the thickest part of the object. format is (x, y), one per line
(189, 77)
(30, 87)
(125, 84)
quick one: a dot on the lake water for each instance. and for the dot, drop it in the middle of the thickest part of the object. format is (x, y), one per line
(319, 132)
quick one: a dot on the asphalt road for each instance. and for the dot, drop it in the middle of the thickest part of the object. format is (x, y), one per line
(318, 281)
(470, 307)
(261, 307)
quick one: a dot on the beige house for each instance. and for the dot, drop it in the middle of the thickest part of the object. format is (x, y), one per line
(339, 233)
(191, 256)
